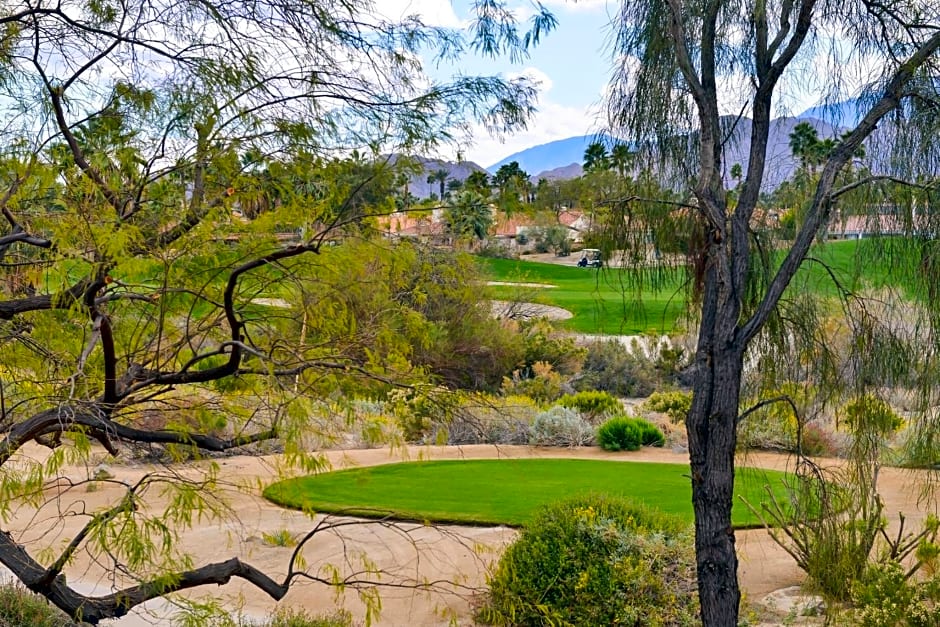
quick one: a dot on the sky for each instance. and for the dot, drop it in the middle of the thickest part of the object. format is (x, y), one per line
(571, 64)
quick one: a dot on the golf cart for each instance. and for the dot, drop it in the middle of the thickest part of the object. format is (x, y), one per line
(590, 258)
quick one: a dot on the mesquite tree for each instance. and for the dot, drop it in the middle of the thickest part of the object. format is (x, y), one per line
(680, 64)
(169, 185)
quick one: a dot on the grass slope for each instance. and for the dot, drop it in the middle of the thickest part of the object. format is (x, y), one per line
(607, 300)
(602, 300)
(505, 492)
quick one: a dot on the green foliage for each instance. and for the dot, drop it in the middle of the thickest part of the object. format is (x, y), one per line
(885, 596)
(539, 382)
(592, 404)
(21, 608)
(544, 343)
(870, 414)
(625, 433)
(619, 433)
(281, 537)
(775, 426)
(674, 404)
(560, 426)
(596, 561)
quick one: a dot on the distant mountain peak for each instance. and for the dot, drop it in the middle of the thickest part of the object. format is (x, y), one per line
(554, 154)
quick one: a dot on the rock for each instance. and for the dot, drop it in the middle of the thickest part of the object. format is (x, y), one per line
(794, 602)
(102, 471)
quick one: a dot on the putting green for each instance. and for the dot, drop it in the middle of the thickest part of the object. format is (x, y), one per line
(506, 492)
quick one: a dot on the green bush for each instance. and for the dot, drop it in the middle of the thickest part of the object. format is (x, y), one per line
(21, 608)
(545, 344)
(650, 434)
(592, 404)
(885, 595)
(676, 405)
(596, 561)
(620, 433)
(623, 433)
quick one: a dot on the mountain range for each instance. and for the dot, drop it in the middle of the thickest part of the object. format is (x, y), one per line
(561, 159)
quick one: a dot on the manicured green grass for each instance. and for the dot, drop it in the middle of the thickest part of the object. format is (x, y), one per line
(507, 492)
(607, 300)
(602, 300)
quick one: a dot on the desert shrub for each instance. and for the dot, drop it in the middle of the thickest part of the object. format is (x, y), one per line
(492, 420)
(592, 404)
(560, 426)
(373, 423)
(418, 412)
(676, 404)
(543, 343)
(21, 608)
(540, 383)
(624, 433)
(300, 618)
(609, 366)
(871, 414)
(817, 442)
(596, 561)
(775, 426)
(496, 250)
(620, 433)
(887, 596)
(650, 434)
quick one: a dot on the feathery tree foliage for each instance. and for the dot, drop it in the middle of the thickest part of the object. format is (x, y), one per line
(171, 198)
(678, 58)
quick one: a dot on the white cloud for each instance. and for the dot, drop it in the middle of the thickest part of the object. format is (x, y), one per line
(536, 76)
(550, 123)
(432, 12)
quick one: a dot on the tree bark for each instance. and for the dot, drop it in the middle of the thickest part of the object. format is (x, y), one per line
(712, 440)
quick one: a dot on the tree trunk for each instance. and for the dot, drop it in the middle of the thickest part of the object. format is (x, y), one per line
(711, 426)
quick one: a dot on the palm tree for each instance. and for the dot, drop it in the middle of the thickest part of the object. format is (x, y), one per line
(595, 157)
(804, 143)
(468, 216)
(440, 176)
(478, 181)
(621, 159)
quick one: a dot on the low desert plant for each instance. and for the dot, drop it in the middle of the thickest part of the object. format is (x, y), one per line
(675, 404)
(281, 537)
(300, 618)
(21, 608)
(611, 367)
(560, 426)
(485, 419)
(596, 561)
(870, 413)
(624, 433)
(816, 441)
(620, 433)
(539, 382)
(592, 404)
(887, 595)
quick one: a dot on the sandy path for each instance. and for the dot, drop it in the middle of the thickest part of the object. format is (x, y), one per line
(451, 554)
